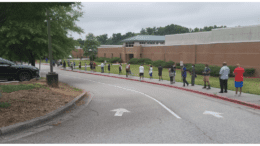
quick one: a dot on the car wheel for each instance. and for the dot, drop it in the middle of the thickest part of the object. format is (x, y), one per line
(24, 76)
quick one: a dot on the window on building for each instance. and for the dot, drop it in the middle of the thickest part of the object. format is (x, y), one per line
(130, 44)
(105, 55)
(111, 55)
(142, 42)
(120, 55)
(140, 55)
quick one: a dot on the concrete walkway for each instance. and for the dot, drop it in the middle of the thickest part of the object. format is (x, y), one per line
(245, 97)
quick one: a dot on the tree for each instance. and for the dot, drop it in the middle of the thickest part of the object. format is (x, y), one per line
(143, 32)
(90, 44)
(28, 40)
(102, 39)
(26, 11)
(90, 36)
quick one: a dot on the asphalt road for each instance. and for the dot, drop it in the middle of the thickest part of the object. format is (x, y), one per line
(157, 114)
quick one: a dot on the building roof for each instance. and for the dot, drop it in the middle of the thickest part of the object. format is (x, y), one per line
(147, 38)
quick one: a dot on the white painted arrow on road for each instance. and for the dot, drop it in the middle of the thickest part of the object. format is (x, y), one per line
(120, 111)
(213, 113)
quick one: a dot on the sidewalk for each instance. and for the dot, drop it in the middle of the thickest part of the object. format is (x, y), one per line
(246, 99)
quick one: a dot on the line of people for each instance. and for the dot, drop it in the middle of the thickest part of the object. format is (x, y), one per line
(223, 74)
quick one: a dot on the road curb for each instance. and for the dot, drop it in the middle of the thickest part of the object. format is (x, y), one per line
(39, 120)
(251, 105)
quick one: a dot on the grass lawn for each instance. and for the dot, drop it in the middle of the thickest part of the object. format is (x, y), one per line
(251, 86)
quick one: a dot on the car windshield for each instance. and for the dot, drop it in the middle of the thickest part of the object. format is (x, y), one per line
(7, 61)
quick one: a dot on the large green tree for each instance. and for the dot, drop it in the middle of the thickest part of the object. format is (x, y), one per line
(28, 40)
(90, 44)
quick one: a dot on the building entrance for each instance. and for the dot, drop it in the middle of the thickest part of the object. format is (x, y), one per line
(131, 56)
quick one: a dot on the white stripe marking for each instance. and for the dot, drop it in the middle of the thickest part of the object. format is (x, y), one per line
(140, 93)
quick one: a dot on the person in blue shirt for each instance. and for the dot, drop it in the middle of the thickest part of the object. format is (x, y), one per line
(184, 74)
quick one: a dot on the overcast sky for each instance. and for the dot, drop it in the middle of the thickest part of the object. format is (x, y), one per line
(122, 17)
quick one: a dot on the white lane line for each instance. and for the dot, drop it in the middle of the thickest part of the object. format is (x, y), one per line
(140, 93)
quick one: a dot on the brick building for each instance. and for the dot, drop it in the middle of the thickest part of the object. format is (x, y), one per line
(233, 45)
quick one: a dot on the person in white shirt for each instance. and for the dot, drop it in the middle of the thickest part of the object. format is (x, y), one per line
(151, 71)
(223, 77)
(102, 67)
(141, 72)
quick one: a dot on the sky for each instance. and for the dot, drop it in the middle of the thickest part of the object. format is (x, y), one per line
(122, 17)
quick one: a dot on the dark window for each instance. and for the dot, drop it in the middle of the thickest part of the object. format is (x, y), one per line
(104, 54)
(111, 55)
(120, 55)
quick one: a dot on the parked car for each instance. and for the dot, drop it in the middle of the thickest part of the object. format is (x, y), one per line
(13, 71)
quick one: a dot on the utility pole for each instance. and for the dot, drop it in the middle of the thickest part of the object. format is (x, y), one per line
(51, 77)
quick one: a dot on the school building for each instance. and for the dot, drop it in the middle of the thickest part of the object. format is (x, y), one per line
(232, 45)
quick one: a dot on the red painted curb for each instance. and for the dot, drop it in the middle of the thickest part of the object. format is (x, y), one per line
(194, 91)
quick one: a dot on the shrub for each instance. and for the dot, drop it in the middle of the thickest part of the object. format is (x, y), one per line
(158, 62)
(232, 68)
(115, 59)
(199, 68)
(249, 72)
(92, 57)
(133, 61)
(214, 70)
(177, 64)
(168, 64)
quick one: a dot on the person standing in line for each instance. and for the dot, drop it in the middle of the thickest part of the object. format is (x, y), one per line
(64, 64)
(174, 70)
(74, 65)
(141, 72)
(120, 68)
(85, 66)
(223, 77)
(193, 75)
(127, 68)
(91, 65)
(184, 75)
(79, 65)
(160, 72)
(94, 66)
(171, 73)
(68, 62)
(102, 67)
(71, 65)
(151, 72)
(238, 72)
(108, 67)
(206, 74)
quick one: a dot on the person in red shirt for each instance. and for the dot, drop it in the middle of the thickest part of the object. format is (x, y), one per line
(238, 72)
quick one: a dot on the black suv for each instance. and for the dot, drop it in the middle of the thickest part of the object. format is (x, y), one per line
(12, 71)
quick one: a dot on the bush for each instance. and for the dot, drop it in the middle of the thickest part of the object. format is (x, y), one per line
(249, 72)
(199, 68)
(177, 64)
(92, 57)
(102, 59)
(214, 70)
(133, 61)
(232, 68)
(168, 64)
(114, 60)
(157, 63)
